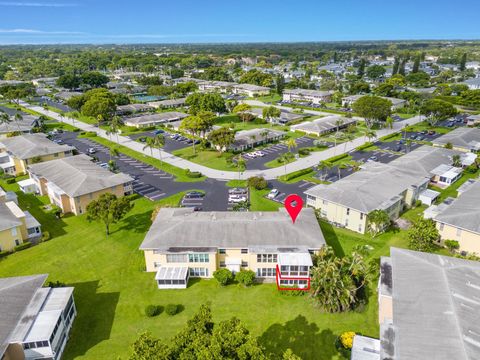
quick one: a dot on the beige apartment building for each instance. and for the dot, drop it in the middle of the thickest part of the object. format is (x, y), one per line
(16, 226)
(182, 243)
(462, 139)
(73, 182)
(28, 149)
(459, 219)
(392, 187)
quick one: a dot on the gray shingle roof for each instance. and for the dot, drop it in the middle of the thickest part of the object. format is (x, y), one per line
(155, 118)
(78, 175)
(15, 295)
(184, 228)
(464, 212)
(325, 124)
(31, 145)
(436, 307)
(377, 185)
(464, 137)
(7, 219)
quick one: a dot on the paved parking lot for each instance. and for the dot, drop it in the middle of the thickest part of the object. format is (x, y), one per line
(170, 144)
(274, 151)
(55, 104)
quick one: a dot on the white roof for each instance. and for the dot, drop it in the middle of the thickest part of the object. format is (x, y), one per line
(172, 273)
(365, 348)
(295, 259)
(431, 194)
(26, 182)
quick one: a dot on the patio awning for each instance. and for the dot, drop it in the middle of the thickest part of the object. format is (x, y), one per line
(304, 259)
(172, 273)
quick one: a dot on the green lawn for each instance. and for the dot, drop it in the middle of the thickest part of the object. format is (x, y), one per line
(112, 289)
(451, 191)
(269, 98)
(210, 158)
(175, 171)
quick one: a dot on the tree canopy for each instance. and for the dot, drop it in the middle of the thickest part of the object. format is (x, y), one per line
(437, 110)
(205, 102)
(109, 209)
(373, 108)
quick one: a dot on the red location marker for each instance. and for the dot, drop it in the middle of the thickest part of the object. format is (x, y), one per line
(293, 204)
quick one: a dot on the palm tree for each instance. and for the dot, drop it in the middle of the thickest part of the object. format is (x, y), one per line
(348, 138)
(389, 122)
(115, 126)
(370, 134)
(241, 164)
(408, 145)
(456, 161)
(75, 115)
(99, 119)
(339, 168)
(5, 119)
(323, 166)
(114, 152)
(291, 144)
(149, 145)
(159, 143)
(18, 117)
(338, 123)
(285, 159)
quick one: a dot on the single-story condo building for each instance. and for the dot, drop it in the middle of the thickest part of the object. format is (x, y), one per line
(284, 118)
(251, 90)
(24, 125)
(473, 120)
(324, 125)
(154, 119)
(169, 103)
(247, 139)
(35, 321)
(348, 101)
(73, 182)
(390, 187)
(420, 296)
(473, 84)
(182, 243)
(306, 95)
(28, 149)
(462, 139)
(133, 109)
(459, 219)
(67, 95)
(16, 226)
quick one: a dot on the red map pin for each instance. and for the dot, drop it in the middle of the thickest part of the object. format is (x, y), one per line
(293, 204)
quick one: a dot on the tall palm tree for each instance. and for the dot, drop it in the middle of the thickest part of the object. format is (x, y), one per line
(149, 145)
(5, 119)
(338, 123)
(324, 166)
(241, 164)
(291, 144)
(115, 126)
(389, 122)
(159, 143)
(348, 138)
(114, 152)
(18, 117)
(75, 116)
(370, 134)
(456, 160)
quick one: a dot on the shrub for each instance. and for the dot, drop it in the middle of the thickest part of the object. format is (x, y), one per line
(295, 174)
(4, 253)
(364, 146)
(304, 151)
(152, 310)
(448, 145)
(193, 174)
(245, 277)
(338, 157)
(45, 236)
(90, 134)
(10, 181)
(346, 339)
(223, 276)
(259, 121)
(257, 182)
(471, 169)
(23, 246)
(390, 136)
(76, 130)
(452, 245)
(56, 284)
(171, 309)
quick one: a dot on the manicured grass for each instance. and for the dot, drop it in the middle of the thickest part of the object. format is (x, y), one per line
(112, 290)
(236, 183)
(451, 191)
(210, 158)
(86, 119)
(274, 98)
(175, 171)
(258, 202)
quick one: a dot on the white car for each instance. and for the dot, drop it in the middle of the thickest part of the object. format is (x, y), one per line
(272, 194)
(236, 199)
(251, 155)
(260, 153)
(103, 165)
(91, 151)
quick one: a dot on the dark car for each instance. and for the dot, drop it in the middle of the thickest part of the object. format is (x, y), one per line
(431, 132)
(193, 195)
(398, 148)
(158, 131)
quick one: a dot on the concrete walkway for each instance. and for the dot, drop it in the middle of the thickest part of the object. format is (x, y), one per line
(268, 174)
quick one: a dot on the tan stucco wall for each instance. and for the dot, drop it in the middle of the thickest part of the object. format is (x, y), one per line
(14, 352)
(467, 240)
(7, 240)
(21, 165)
(385, 309)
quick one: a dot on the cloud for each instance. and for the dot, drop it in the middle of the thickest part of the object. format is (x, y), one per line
(39, 32)
(36, 4)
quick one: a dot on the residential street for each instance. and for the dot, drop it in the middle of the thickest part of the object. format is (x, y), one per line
(268, 174)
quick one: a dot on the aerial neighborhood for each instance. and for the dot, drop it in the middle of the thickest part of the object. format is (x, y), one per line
(257, 200)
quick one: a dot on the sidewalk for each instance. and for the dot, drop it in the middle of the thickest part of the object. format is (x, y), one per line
(268, 174)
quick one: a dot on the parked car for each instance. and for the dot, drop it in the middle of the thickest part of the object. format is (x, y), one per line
(260, 153)
(175, 136)
(236, 199)
(431, 132)
(237, 191)
(419, 138)
(58, 141)
(103, 165)
(158, 131)
(398, 148)
(372, 158)
(450, 124)
(251, 155)
(272, 194)
(193, 195)
(91, 151)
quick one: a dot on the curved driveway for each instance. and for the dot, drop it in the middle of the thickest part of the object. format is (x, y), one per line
(268, 174)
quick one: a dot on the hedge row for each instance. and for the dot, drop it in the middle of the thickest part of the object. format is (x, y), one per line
(338, 157)
(295, 174)
(193, 174)
(364, 146)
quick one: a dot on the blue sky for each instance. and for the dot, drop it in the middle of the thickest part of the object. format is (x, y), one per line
(199, 21)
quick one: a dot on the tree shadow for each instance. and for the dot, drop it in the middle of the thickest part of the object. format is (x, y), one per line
(95, 314)
(331, 238)
(302, 337)
(139, 223)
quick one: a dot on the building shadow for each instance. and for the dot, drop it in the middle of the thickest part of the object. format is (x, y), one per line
(139, 223)
(95, 314)
(303, 338)
(331, 238)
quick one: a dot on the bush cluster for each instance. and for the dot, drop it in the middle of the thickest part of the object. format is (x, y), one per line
(193, 174)
(257, 182)
(152, 310)
(171, 309)
(223, 276)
